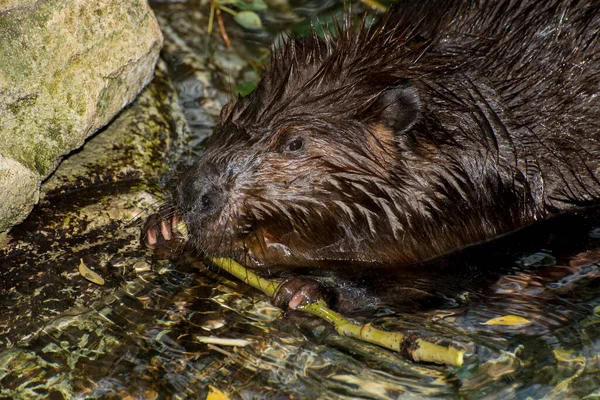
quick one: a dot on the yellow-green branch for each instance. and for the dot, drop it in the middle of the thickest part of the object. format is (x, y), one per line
(410, 346)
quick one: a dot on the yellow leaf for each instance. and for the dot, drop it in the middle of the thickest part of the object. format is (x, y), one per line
(216, 394)
(567, 356)
(507, 320)
(89, 274)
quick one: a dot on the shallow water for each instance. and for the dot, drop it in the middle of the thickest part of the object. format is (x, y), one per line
(146, 333)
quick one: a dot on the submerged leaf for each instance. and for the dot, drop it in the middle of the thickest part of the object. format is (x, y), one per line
(568, 356)
(216, 394)
(507, 320)
(89, 274)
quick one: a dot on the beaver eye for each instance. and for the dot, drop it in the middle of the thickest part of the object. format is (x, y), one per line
(295, 144)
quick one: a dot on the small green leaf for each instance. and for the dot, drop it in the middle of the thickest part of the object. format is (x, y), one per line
(245, 88)
(320, 26)
(251, 5)
(248, 20)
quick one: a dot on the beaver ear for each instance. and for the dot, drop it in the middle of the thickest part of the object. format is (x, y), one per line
(398, 107)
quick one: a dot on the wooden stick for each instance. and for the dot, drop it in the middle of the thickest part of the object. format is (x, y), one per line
(410, 346)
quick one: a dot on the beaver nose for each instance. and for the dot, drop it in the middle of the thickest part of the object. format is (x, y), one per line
(197, 192)
(207, 201)
(199, 200)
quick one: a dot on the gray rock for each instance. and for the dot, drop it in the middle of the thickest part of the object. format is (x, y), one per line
(19, 189)
(67, 67)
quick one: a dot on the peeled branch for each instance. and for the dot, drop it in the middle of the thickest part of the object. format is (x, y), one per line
(410, 346)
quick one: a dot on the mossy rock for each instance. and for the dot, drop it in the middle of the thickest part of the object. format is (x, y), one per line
(67, 67)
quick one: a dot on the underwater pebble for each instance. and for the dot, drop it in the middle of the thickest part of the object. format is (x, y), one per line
(586, 272)
(213, 324)
(141, 266)
(539, 259)
(585, 258)
(151, 395)
(595, 233)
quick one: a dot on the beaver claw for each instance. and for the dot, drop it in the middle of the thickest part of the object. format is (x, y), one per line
(297, 291)
(160, 232)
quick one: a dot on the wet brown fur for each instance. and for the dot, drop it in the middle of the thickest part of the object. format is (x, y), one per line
(449, 124)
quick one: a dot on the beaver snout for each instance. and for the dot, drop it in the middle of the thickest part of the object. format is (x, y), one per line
(199, 192)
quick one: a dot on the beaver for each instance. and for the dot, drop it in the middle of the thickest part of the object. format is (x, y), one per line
(447, 124)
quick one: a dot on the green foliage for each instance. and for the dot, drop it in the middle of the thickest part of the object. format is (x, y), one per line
(248, 20)
(245, 88)
(250, 5)
(320, 26)
(247, 17)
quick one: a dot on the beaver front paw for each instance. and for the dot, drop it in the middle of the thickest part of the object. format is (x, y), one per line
(160, 233)
(297, 291)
